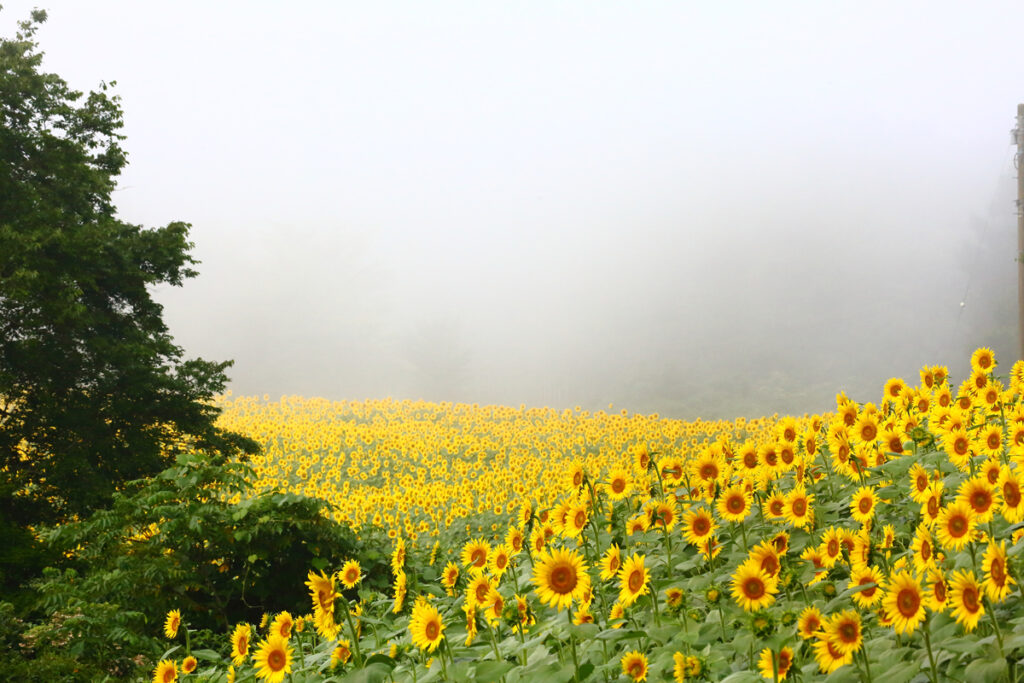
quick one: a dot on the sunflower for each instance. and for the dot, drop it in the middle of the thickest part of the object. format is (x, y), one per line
(904, 602)
(514, 540)
(538, 539)
(828, 656)
(919, 481)
(955, 525)
(780, 542)
(775, 666)
(166, 671)
(998, 582)
(638, 524)
(1009, 486)
(983, 360)
(991, 470)
(341, 654)
(810, 622)
(767, 558)
(707, 467)
(979, 494)
(189, 664)
(282, 625)
(576, 474)
(965, 596)
(814, 555)
(475, 552)
(958, 446)
(932, 505)
(634, 580)
(735, 503)
(273, 659)
(560, 577)
(923, 549)
(425, 626)
(526, 616)
(400, 586)
(752, 588)
(172, 623)
(935, 591)
(500, 558)
(698, 525)
(575, 519)
(866, 576)
(350, 574)
(322, 592)
(469, 610)
(663, 514)
(494, 605)
(634, 665)
(610, 562)
(618, 483)
(843, 631)
(449, 577)
(866, 427)
(240, 643)
(746, 456)
(477, 590)
(831, 546)
(798, 506)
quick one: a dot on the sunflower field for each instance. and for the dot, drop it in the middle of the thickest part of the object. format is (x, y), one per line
(878, 541)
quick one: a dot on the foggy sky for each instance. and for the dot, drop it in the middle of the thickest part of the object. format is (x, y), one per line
(701, 209)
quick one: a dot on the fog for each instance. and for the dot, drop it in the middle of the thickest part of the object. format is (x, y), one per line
(702, 210)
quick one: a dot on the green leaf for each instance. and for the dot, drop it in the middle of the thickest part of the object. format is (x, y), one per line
(986, 669)
(491, 670)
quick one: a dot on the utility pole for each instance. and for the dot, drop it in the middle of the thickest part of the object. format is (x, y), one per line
(1019, 135)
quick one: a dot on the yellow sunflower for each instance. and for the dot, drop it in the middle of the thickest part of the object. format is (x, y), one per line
(923, 549)
(843, 631)
(560, 576)
(634, 580)
(282, 625)
(698, 525)
(479, 587)
(828, 656)
(810, 622)
(735, 503)
(866, 576)
(978, 493)
(767, 558)
(474, 553)
(166, 671)
(798, 506)
(955, 525)
(500, 558)
(932, 504)
(965, 596)
(998, 582)
(634, 665)
(172, 623)
(610, 562)
(425, 626)
(351, 574)
(775, 666)
(983, 360)
(752, 588)
(1009, 486)
(904, 602)
(936, 591)
(618, 484)
(449, 577)
(341, 654)
(240, 643)
(189, 664)
(273, 659)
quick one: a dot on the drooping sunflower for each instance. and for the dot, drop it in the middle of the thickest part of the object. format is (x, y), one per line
(351, 574)
(752, 588)
(450, 577)
(172, 623)
(775, 666)
(965, 597)
(397, 556)
(399, 587)
(735, 503)
(240, 640)
(634, 665)
(698, 525)
(955, 525)
(610, 562)
(426, 626)
(322, 591)
(904, 602)
(798, 506)
(474, 554)
(273, 659)
(560, 576)
(634, 580)
(998, 583)
(866, 575)
(166, 671)
(843, 630)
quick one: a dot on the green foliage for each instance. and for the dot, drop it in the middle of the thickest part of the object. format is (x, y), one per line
(93, 391)
(219, 562)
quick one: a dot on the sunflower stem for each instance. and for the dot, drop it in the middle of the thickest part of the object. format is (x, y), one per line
(995, 623)
(444, 667)
(867, 666)
(572, 641)
(721, 617)
(928, 645)
(654, 599)
(355, 636)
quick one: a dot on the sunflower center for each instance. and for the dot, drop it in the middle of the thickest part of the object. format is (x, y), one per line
(276, 660)
(243, 645)
(351, 576)
(789, 434)
(477, 558)
(864, 505)
(908, 602)
(431, 630)
(799, 507)
(618, 485)
(636, 669)
(769, 565)
(636, 581)
(735, 505)
(701, 526)
(563, 579)
(750, 460)
(776, 507)
(500, 561)
(783, 662)
(580, 519)
(481, 591)
(169, 675)
(970, 600)
(957, 526)
(753, 588)
(940, 591)
(848, 632)
(933, 506)
(981, 501)
(708, 472)
(868, 592)
(960, 446)
(868, 433)
(996, 571)
(833, 548)
(1011, 494)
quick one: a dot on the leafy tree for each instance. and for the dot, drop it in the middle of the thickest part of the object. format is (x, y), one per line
(93, 390)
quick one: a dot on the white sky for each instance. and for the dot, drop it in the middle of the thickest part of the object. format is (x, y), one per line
(573, 202)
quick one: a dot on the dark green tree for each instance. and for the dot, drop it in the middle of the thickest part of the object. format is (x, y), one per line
(93, 390)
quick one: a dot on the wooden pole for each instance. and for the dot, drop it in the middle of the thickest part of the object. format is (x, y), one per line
(1020, 230)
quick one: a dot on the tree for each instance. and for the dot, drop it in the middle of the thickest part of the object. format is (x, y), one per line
(93, 390)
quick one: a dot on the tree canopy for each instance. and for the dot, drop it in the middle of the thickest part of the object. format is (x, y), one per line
(93, 389)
